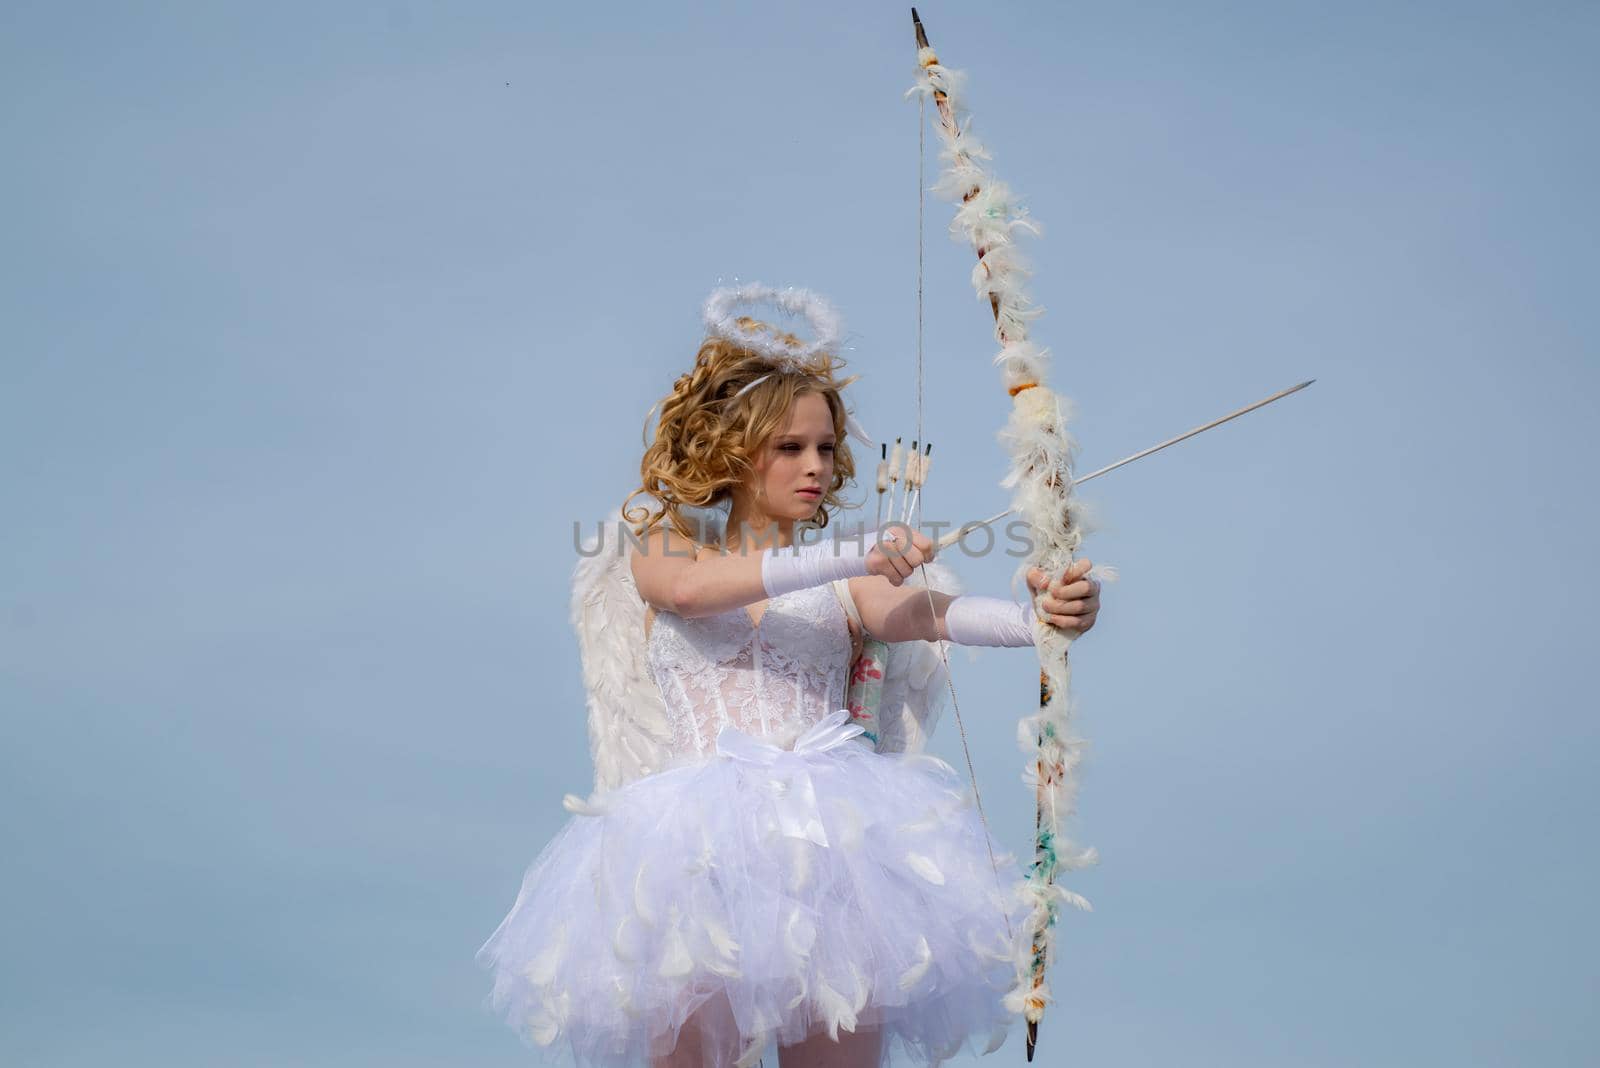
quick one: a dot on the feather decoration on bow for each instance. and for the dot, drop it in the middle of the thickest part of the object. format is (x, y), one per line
(1042, 453)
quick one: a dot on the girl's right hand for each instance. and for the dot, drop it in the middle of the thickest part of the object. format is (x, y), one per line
(894, 559)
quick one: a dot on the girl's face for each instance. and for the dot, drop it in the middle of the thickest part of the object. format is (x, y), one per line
(799, 458)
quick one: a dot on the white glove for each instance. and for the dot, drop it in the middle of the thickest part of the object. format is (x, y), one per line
(798, 567)
(975, 620)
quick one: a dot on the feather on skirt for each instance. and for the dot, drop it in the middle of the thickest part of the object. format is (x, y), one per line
(769, 895)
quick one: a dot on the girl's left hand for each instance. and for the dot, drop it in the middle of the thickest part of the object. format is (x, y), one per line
(1072, 601)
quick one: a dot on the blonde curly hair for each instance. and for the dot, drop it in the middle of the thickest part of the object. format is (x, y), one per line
(709, 435)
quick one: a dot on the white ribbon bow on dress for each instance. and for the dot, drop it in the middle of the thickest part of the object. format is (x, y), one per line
(794, 795)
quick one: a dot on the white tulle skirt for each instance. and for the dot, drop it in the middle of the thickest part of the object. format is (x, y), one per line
(764, 895)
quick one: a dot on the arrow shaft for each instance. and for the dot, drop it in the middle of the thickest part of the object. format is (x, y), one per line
(956, 535)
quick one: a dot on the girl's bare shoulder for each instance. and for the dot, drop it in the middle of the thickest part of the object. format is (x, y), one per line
(662, 542)
(657, 556)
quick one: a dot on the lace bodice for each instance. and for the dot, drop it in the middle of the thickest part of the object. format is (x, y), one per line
(771, 681)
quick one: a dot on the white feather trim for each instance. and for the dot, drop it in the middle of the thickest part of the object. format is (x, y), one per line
(924, 960)
(724, 950)
(622, 996)
(798, 935)
(722, 320)
(580, 806)
(932, 819)
(861, 989)
(1104, 573)
(718, 966)
(675, 959)
(836, 1010)
(999, 950)
(620, 945)
(849, 823)
(799, 864)
(721, 941)
(641, 899)
(543, 1030)
(542, 970)
(925, 867)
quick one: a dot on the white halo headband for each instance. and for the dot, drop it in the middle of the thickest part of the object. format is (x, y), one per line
(722, 320)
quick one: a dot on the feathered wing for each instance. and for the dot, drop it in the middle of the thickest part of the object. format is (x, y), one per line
(628, 727)
(914, 679)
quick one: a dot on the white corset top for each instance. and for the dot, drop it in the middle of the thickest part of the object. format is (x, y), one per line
(772, 681)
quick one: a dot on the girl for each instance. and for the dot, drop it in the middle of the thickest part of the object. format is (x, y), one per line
(779, 881)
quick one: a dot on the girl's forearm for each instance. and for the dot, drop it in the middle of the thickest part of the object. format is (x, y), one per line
(720, 583)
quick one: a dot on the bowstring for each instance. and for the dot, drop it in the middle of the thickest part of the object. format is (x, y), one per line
(944, 656)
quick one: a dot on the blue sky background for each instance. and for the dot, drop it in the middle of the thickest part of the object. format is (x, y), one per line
(320, 324)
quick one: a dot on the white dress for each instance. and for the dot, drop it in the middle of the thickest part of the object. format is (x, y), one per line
(779, 880)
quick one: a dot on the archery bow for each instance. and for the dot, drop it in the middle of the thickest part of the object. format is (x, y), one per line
(1042, 452)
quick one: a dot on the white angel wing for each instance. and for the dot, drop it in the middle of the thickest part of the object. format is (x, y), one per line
(628, 727)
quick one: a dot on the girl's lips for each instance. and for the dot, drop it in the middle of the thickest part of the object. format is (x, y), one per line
(810, 493)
